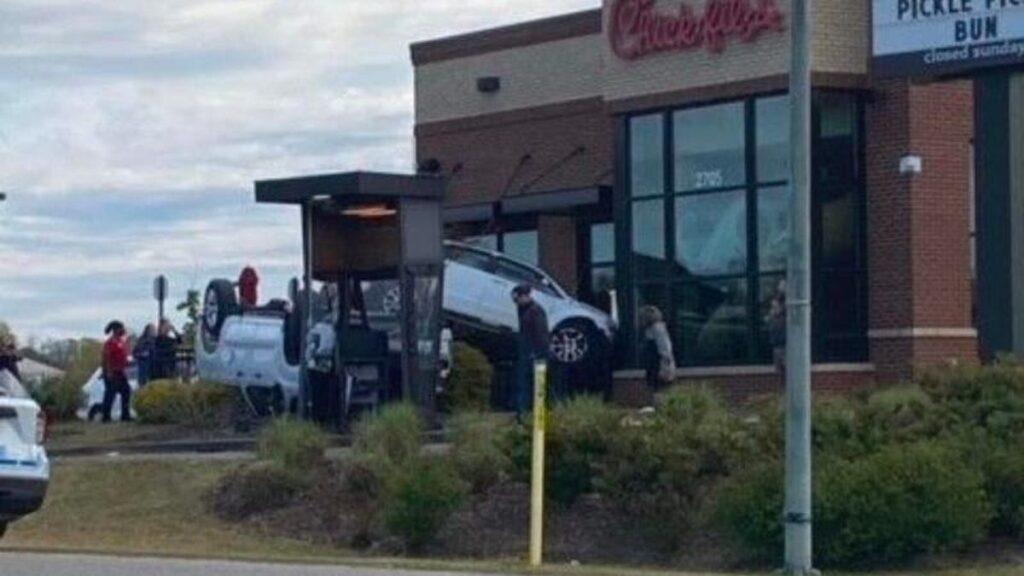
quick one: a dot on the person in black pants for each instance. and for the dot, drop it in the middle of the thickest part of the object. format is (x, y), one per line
(115, 381)
(533, 345)
(165, 351)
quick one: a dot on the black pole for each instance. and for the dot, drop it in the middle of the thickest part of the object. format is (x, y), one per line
(307, 283)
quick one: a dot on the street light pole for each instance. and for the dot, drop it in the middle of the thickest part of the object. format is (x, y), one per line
(798, 304)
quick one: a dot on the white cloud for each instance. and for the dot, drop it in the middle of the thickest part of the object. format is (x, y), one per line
(131, 132)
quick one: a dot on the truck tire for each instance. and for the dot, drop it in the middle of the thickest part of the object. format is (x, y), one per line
(219, 303)
(580, 353)
(3, 529)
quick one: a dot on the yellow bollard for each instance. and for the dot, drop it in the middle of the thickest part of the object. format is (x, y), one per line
(540, 381)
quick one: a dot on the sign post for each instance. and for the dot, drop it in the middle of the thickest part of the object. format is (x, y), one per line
(540, 381)
(797, 513)
(160, 294)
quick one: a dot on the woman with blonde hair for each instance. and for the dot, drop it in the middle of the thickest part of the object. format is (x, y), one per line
(658, 359)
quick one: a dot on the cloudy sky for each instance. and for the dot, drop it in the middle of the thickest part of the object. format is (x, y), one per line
(131, 132)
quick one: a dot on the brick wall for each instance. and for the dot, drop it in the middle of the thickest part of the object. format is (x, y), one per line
(741, 388)
(918, 227)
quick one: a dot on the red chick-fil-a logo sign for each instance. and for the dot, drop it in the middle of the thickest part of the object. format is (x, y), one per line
(638, 29)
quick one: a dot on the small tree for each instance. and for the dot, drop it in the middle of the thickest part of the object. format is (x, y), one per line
(192, 307)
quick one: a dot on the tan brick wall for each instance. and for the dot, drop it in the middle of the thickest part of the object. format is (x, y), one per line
(584, 66)
(840, 46)
(536, 75)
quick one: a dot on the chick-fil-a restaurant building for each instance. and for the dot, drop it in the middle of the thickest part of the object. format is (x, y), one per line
(640, 151)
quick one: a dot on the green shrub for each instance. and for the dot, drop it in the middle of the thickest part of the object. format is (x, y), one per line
(660, 469)
(1002, 464)
(394, 435)
(478, 442)
(292, 444)
(60, 398)
(579, 433)
(422, 498)
(899, 414)
(253, 489)
(886, 508)
(201, 405)
(989, 397)
(469, 384)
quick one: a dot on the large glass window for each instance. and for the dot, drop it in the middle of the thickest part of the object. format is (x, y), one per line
(522, 245)
(709, 147)
(710, 231)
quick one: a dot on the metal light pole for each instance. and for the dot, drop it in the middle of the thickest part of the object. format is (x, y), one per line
(798, 304)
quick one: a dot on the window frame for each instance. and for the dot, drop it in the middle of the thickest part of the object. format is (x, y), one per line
(629, 273)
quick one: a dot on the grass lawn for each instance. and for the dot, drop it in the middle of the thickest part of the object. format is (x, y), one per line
(155, 508)
(77, 434)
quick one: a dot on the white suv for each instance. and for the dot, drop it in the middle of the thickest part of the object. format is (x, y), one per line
(24, 467)
(258, 350)
(478, 288)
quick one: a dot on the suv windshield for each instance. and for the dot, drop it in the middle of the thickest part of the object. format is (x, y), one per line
(520, 274)
(469, 257)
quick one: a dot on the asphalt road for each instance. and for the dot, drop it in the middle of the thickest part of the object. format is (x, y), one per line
(17, 564)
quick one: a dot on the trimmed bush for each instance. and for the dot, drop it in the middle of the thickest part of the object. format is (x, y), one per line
(580, 433)
(478, 442)
(59, 398)
(421, 499)
(292, 445)
(253, 489)
(987, 397)
(202, 405)
(660, 469)
(886, 508)
(394, 435)
(899, 414)
(469, 384)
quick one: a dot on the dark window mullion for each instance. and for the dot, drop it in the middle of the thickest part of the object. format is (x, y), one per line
(753, 257)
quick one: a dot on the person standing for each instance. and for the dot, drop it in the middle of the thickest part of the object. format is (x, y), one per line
(533, 344)
(115, 380)
(165, 351)
(248, 288)
(658, 357)
(144, 351)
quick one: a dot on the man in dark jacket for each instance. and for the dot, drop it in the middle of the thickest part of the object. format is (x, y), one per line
(532, 344)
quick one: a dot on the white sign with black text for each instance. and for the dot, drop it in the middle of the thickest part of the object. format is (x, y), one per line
(937, 37)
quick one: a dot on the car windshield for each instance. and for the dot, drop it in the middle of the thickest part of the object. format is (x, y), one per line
(522, 274)
(10, 387)
(469, 257)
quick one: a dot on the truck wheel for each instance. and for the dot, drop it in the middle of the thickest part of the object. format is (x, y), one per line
(3, 529)
(580, 352)
(219, 303)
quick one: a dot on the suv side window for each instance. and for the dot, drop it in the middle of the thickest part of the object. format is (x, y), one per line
(470, 258)
(519, 274)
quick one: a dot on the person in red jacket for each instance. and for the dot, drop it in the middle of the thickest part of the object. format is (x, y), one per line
(115, 363)
(248, 287)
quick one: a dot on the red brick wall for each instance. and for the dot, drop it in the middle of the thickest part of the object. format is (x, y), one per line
(557, 239)
(738, 389)
(918, 228)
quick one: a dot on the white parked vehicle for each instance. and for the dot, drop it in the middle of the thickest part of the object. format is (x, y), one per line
(258, 349)
(24, 466)
(92, 394)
